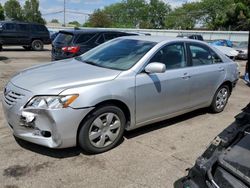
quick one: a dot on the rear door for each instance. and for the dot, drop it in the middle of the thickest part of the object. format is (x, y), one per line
(23, 34)
(208, 73)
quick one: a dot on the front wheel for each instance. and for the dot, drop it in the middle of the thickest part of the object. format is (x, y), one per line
(37, 45)
(220, 99)
(102, 130)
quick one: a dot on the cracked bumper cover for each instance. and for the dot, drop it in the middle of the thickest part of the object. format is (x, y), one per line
(61, 124)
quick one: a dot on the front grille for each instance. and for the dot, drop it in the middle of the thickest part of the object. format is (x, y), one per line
(12, 97)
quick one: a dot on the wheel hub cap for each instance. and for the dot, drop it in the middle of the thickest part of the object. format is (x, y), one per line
(104, 130)
(221, 98)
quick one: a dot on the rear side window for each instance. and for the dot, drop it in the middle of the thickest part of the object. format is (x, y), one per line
(109, 36)
(85, 38)
(63, 38)
(23, 27)
(200, 55)
(215, 57)
(10, 26)
(38, 28)
(100, 39)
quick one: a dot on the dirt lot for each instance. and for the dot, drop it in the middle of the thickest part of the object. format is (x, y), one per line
(153, 156)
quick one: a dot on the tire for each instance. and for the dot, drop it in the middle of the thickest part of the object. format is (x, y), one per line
(96, 135)
(27, 47)
(220, 99)
(37, 45)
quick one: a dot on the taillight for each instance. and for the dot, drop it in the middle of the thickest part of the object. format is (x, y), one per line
(71, 49)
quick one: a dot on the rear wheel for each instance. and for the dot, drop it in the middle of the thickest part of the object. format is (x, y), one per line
(220, 99)
(37, 45)
(102, 130)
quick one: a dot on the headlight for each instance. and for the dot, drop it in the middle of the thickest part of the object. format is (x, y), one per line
(51, 102)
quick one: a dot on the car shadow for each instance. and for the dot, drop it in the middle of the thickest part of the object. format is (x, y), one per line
(75, 151)
(165, 123)
(55, 153)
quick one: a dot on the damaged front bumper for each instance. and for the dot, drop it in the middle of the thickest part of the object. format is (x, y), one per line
(54, 128)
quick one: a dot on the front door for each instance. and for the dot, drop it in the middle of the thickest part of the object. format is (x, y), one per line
(162, 94)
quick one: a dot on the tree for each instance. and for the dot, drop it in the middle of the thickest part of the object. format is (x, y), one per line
(54, 21)
(13, 10)
(184, 17)
(75, 23)
(238, 16)
(31, 12)
(99, 19)
(2, 17)
(158, 12)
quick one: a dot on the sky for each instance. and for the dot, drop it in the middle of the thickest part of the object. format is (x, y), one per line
(82, 6)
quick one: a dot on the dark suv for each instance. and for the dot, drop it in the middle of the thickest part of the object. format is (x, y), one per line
(73, 43)
(29, 35)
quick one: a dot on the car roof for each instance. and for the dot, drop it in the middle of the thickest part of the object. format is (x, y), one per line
(82, 31)
(19, 22)
(158, 39)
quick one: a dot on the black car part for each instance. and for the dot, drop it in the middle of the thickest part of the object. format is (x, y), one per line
(226, 162)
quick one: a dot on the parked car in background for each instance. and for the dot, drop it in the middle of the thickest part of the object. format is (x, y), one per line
(225, 163)
(53, 36)
(223, 42)
(29, 35)
(242, 48)
(73, 43)
(126, 83)
(229, 52)
(191, 36)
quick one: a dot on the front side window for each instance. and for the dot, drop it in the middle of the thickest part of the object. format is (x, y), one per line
(119, 54)
(200, 55)
(173, 56)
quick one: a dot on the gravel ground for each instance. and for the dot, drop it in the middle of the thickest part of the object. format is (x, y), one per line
(153, 156)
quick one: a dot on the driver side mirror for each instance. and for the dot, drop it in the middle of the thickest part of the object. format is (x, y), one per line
(155, 67)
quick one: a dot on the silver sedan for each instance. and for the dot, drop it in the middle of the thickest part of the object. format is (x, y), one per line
(121, 85)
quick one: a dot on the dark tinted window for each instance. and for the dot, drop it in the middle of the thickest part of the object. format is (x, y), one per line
(85, 37)
(100, 39)
(10, 26)
(173, 56)
(23, 27)
(119, 54)
(38, 28)
(200, 55)
(109, 36)
(63, 38)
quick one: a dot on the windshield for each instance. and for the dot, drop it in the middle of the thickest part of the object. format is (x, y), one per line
(63, 38)
(120, 54)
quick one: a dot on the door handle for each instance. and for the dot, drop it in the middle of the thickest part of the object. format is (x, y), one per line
(221, 69)
(186, 76)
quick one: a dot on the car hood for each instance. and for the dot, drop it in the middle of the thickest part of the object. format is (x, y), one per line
(53, 78)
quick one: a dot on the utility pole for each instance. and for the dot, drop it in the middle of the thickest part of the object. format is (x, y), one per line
(64, 12)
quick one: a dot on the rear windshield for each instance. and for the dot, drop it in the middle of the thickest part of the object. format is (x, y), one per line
(63, 38)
